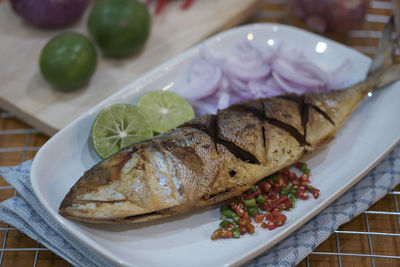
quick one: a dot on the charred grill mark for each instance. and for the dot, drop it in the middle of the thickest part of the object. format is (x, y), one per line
(303, 111)
(259, 112)
(187, 155)
(212, 131)
(289, 129)
(239, 152)
(128, 218)
(264, 139)
(323, 113)
(290, 97)
(295, 98)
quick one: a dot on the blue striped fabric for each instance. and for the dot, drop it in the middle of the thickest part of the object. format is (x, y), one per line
(25, 213)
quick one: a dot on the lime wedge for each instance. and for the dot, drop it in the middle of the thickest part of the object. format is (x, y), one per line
(119, 126)
(165, 110)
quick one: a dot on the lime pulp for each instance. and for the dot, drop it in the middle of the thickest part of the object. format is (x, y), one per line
(117, 127)
(165, 110)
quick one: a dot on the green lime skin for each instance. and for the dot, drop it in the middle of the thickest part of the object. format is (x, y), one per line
(120, 27)
(68, 61)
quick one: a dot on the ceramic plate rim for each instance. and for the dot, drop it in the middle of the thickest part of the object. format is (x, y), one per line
(94, 246)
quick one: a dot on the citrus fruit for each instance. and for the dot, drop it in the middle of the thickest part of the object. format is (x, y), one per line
(68, 61)
(165, 110)
(119, 126)
(120, 28)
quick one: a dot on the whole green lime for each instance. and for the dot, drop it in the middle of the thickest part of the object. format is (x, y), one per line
(68, 61)
(120, 28)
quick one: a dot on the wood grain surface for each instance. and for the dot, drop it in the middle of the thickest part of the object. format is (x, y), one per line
(25, 93)
(20, 142)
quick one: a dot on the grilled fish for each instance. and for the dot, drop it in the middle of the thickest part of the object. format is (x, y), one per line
(215, 157)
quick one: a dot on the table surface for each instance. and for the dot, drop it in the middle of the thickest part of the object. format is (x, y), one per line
(372, 238)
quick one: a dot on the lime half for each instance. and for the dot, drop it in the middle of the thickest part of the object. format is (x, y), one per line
(119, 126)
(165, 110)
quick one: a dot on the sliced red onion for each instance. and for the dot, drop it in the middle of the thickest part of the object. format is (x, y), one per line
(211, 57)
(246, 63)
(264, 88)
(201, 80)
(224, 100)
(268, 51)
(338, 77)
(253, 70)
(204, 107)
(286, 85)
(247, 70)
(237, 86)
(289, 72)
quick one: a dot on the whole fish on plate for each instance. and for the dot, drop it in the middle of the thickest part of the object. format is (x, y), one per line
(215, 157)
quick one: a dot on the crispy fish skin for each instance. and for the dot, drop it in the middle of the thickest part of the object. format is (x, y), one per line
(214, 157)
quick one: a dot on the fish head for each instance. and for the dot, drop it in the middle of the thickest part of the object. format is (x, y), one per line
(135, 181)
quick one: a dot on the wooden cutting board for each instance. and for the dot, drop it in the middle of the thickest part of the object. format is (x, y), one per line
(24, 93)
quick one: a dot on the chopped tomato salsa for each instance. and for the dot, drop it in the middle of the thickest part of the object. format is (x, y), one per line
(264, 202)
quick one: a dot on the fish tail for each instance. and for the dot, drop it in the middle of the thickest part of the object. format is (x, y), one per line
(384, 70)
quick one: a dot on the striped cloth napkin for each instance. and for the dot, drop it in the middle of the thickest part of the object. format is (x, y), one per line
(26, 213)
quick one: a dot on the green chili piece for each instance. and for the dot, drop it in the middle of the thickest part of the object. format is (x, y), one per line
(285, 191)
(253, 211)
(223, 217)
(225, 223)
(303, 166)
(250, 202)
(273, 177)
(228, 212)
(236, 219)
(254, 188)
(260, 199)
(293, 190)
(236, 232)
(293, 199)
(307, 171)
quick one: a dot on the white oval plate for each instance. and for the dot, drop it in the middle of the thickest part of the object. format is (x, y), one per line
(184, 240)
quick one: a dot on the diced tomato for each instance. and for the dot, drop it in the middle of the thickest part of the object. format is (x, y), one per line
(301, 193)
(279, 220)
(259, 218)
(216, 234)
(271, 226)
(226, 234)
(243, 229)
(305, 178)
(244, 221)
(265, 205)
(281, 182)
(264, 186)
(315, 193)
(273, 195)
(298, 164)
(286, 171)
(230, 226)
(292, 176)
(282, 199)
(250, 228)
(264, 225)
(239, 207)
(251, 194)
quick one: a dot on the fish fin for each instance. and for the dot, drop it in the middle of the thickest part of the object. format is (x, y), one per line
(385, 51)
(384, 70)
